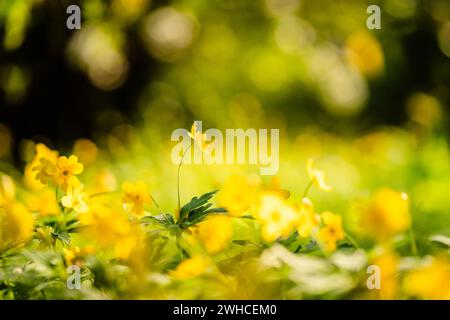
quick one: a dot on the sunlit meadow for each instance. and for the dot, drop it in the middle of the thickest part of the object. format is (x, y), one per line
(364, 170)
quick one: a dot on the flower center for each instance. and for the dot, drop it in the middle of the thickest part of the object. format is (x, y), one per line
(276, 216)
(332, 231)
(65, 172)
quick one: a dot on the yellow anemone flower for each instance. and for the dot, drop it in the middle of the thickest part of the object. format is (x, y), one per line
(43, 202)
(41, 151)
(66, 169)
(199, 137)
(277, 217)
(331, 232)
(307, 219)
(134, 196)
(317, 176)
(215, 233)
(76, 199)
(16, 224)
(110, 229)
(237, 195)
(7, 189)
(386, 215)
(105, 181)
(75, 255)
(431, 281)
(46, 170)
(275, 186)
(191, 268)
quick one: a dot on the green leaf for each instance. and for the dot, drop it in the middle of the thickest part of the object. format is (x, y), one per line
(197, 209)
(64, 237)
(195, 203)
(165, 220)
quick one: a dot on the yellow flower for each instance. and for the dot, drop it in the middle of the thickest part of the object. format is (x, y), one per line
(134, 196)
(424, 109)
(43, 202)
(191, 268)
(237, 196)
(76, 199)
(198, 137)
(86, 151)
(105, 181)
(387, 262)
(317, 176)
(365, 53)
(7, 189)
(331, 232)
(46, 171)
(386, 215)
(431, 281)
(110, 229)
(275, 186)
(41, 151)
(215, 233)
(66, 169)
(75, 255)
(307, 219)
(277, 217)
(16, 224)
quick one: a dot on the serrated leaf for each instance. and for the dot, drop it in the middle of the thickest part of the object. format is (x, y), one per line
(165, 220)
(439, 238)
(194, 204)
(64, 237)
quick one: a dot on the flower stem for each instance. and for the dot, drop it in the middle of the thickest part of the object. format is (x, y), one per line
(412, 240)
(180, 248)
(308, 187)
(156, 204)
(352, 240)
(178, 176)
(160, 210)
(101, 194)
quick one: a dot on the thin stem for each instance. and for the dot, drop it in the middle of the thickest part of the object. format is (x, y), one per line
(160, 210)
(101, 194)
(180, 247)
(178, 176)
(156, 204)
(352, 240)
(412, 240)
(308, 187)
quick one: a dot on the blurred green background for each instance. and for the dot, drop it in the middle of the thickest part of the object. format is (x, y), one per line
(372, 105)
(233, 63)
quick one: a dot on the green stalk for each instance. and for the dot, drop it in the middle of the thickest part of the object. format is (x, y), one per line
(178, 176)
(412, 240)
(308, 187)
(352, 240)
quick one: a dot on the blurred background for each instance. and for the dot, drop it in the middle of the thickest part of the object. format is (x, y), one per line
(282, 63)
(370, 105)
